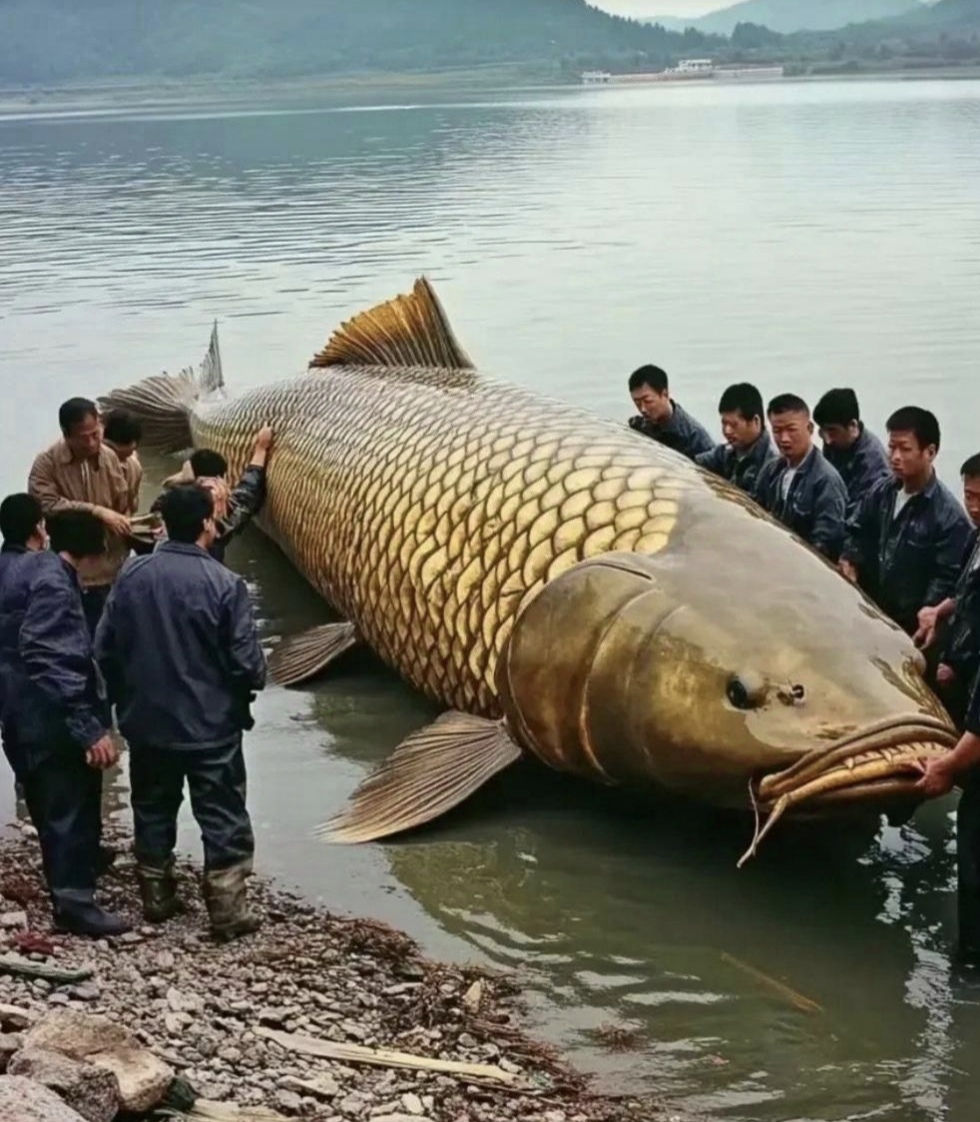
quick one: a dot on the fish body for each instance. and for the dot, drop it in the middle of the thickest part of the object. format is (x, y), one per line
(560, 584)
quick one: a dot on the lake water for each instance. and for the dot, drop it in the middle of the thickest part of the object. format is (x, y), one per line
(796, 235)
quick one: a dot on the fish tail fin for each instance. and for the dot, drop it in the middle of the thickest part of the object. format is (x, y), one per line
(163, 403)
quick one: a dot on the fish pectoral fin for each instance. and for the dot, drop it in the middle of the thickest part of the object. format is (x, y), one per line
(429, 773)
(410, 330)
(303, 656)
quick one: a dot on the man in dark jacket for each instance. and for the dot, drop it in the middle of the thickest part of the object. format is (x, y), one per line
(951, 627)
(56, 716)
(181, 656)
(906, 539)
(233, 509)
(856, 453)
(800, 488)
(22, 529)
(661, 418)
(747, 448)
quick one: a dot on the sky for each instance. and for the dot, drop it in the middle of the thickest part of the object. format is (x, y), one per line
(659, 7)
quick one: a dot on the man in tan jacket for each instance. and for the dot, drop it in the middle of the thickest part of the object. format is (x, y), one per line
(80, 472)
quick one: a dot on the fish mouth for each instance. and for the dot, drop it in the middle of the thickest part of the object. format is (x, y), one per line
(871, 764)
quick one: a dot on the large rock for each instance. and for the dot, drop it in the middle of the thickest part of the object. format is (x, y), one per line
(22, 1100)
(142, 1078)
(89, 1090)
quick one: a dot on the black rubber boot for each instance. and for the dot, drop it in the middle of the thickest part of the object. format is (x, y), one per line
(158, 891)
(76, 912)
(227, 904)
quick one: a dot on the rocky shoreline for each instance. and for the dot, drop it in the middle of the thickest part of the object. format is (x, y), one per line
(301, 1019)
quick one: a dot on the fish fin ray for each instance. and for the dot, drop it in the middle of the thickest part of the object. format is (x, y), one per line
(303, 656)
(410, 330)
(163, 403)
(429, 773)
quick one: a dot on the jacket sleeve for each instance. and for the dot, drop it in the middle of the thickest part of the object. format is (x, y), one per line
(42, 486)
(245, 501)
(869, 471)
(763, 492)
(247, 656)
(106, 646)
(713, 460)
(57, 655)
(134, 478)
(861, 533)
(952, 535)
(829, 514)
(702, 442)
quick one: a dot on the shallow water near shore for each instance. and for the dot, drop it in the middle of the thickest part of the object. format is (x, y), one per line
(796, 235)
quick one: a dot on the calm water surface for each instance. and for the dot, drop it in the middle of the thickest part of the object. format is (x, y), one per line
(799, 236)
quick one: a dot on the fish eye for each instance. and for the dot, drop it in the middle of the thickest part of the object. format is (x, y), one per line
(746, 691)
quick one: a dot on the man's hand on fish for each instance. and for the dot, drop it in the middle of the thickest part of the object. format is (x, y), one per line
(945, 674)
(103, 754)
(848, 570)
(113, 521)
(264, 438)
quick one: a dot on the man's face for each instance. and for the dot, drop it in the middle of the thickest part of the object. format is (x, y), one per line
(840, 436)
(651, 404)
(85, 438)
(792, 433)
(123, 451)
(739, 432)
(971, 498)
(909, 461)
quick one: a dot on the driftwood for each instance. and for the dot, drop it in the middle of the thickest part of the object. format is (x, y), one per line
(804, 1004)
(358, 1054)
(12, 964)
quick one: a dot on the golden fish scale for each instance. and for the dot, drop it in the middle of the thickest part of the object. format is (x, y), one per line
(428, 506)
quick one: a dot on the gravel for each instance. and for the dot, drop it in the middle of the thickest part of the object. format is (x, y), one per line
(197, 1004)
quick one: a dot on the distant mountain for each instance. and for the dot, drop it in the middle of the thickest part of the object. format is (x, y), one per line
(947, 14)
(50, 41)
(787, 16)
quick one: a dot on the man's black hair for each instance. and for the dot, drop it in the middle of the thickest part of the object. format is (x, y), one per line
(185, 509)
(79, 533)
(922, 424)
(651, 376)
(74, 411)
(20, 516)
(743, 398)
(837, 407)
(122, 427)
(788, 403)
(208, 464)
(971, 467)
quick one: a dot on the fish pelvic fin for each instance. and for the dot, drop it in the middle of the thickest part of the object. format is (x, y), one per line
(302, 657)
(429, 773)
(410, 330)
(163, 403)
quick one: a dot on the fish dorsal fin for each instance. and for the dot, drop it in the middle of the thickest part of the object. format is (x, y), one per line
(410, 330)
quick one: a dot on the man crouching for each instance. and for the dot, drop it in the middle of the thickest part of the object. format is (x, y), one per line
(180, 653)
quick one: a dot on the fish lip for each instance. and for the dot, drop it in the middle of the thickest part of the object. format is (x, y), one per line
(891, 745)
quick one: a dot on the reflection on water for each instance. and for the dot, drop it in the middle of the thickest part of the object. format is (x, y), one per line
(800, 236)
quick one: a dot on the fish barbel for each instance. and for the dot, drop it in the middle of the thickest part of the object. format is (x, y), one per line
(563, 586)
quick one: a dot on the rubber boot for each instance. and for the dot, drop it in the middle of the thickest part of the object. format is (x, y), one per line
(225, 897)
(104, 861)
(76, 912)
(158, 891)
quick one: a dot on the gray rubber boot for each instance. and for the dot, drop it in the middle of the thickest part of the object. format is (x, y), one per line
(227, 903)
(158, 891)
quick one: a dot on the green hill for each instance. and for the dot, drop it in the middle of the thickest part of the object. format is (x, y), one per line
(49, 41)
(801, 15)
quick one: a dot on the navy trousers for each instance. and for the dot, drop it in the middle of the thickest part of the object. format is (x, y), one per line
(217, 783)
(64, 798)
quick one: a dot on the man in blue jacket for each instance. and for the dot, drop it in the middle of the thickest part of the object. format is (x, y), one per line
(854, 450)
(906, 539)
(56, 717)
(800, 488)
(22, 529)
(661, 418)
(747, 448)
(180, 652)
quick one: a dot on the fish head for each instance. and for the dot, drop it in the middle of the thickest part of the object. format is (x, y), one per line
(730, 685)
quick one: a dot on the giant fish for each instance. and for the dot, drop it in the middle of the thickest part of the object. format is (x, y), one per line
(564, 587)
